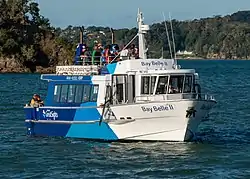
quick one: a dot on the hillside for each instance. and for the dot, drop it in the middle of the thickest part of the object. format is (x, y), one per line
(28, 42)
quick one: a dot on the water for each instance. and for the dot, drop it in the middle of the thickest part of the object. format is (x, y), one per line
(222, 149)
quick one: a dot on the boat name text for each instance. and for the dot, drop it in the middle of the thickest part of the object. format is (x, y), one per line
(154, 63)
(152, 109)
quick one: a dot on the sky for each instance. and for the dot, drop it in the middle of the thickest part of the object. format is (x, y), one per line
(123, 13)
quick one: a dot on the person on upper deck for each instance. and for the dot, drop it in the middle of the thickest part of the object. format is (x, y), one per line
(114, 53)
(124, 54)
(106, 54)
(134, 51)
(96, 54)
(85, 55)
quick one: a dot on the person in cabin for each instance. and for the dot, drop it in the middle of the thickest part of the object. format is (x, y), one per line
(36, 101)
(170, 89)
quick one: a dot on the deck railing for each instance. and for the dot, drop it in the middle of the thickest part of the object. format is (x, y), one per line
(100, 60)
(176, 96)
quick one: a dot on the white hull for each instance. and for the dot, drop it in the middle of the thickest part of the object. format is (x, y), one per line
(159, 123)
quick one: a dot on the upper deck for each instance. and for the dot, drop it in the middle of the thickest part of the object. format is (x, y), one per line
(138, 66)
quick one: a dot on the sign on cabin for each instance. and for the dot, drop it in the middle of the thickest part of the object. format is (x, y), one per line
(77, 70)
(143, 64)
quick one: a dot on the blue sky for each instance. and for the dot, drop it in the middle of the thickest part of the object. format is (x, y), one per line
(122, 13)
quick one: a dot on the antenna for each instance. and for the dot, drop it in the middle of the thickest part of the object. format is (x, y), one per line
(169, 43)
(172, 35)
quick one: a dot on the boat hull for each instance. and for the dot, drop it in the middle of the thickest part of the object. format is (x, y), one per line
(162, 121)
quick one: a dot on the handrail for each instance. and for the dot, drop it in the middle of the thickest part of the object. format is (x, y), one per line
(175, 96)
(87, 60)
(125, 47)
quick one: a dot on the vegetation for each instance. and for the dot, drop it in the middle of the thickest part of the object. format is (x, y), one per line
(28, 39)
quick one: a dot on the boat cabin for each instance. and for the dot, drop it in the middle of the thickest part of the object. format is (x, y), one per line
(129, 81)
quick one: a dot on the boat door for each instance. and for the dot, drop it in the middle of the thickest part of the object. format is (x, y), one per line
(131, 88)
(119, 89)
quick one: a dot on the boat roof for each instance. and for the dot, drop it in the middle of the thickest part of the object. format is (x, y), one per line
(138, 66)
(86, 78)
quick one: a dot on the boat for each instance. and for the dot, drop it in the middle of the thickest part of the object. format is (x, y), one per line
(128, 100)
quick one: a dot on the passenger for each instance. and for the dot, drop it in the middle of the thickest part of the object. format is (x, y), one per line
(170, 90)
(106, 54)
(124, 54)
(96, 55)
(39, 100)
(114, 53)
(88, 56)
(36, 101)
(134, 51)
(85, 55)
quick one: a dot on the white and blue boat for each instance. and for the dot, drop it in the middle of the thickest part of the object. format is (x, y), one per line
(132, 99)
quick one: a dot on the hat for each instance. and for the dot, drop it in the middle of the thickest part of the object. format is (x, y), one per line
(36, 96)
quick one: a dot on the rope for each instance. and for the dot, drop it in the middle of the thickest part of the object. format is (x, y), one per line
(124, 47)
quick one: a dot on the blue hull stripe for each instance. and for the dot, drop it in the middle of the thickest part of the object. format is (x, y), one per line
(91, 131)
(75, 130)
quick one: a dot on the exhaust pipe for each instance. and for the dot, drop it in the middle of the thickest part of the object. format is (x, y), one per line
(81, 34)
(112, 35)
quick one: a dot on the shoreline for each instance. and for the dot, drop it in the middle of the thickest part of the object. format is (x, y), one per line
(200, 58)
(51, 70)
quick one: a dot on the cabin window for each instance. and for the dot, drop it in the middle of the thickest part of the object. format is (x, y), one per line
(86, 93)
(162, 85)
(176, 84)
(71, 93)
(75, 93)
(188, 84)
(57, 92)
(152, 87)
(78, 94)
(94, 93)
(145, 81)
(64, 93)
